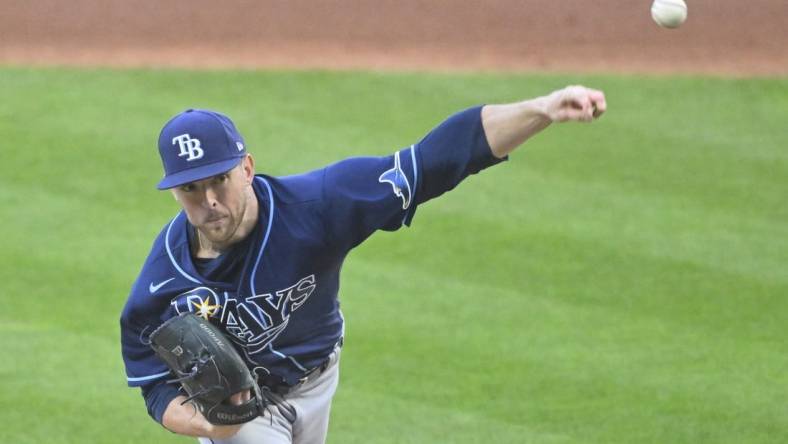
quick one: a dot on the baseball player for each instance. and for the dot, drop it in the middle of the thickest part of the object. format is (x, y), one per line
(260, 256)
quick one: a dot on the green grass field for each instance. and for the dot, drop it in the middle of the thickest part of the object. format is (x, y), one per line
(621, 282)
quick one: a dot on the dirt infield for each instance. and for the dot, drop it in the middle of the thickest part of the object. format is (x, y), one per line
(727, 37)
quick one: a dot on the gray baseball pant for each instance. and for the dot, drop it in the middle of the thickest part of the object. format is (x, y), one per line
(312, 402)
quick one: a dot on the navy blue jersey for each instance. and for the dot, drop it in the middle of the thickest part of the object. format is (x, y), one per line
(276, 293)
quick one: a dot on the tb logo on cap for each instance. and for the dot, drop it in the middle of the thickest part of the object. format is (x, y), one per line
(189, 147)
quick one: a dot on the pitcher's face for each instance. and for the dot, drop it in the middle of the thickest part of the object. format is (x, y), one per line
(216, 205)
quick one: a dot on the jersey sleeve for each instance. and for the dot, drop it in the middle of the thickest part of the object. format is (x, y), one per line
(452, 151)
(142, 365)
(365, 194)
(143, 313)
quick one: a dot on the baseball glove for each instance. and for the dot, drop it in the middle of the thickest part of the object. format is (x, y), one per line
(208, 368)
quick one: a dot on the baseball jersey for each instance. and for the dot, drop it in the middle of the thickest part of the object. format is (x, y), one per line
(275, 293)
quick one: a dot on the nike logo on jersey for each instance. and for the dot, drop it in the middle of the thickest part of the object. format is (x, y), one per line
(154, 288)
(399, 182)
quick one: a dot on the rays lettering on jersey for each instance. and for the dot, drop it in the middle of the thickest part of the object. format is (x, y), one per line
(252, 322)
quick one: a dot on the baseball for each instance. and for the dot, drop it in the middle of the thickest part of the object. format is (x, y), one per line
(669, 13)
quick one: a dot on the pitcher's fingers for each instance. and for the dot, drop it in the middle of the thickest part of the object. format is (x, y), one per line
(598, 100)
(574, 115)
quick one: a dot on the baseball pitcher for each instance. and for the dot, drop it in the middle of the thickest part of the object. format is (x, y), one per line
(232, 329)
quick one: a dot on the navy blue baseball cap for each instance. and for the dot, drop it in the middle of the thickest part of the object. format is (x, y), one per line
(197, 144)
